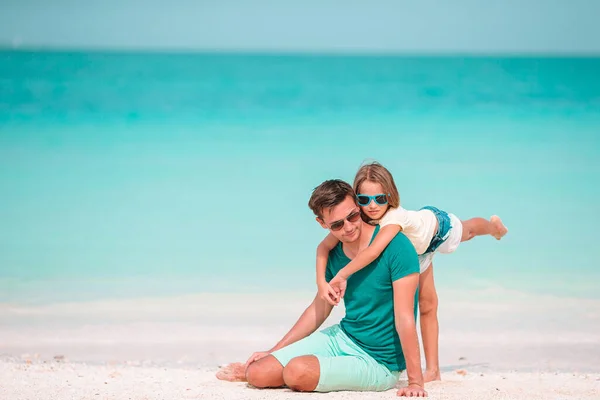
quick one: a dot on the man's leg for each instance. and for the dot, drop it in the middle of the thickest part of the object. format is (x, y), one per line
(302, 373)
(359, 372)
(265, 373)
(428, 306)
(269, 371)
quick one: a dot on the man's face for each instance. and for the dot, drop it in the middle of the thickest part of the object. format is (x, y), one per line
(346, 213)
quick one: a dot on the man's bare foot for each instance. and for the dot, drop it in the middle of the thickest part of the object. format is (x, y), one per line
(429, 376)
(234, 372)
(499, 228)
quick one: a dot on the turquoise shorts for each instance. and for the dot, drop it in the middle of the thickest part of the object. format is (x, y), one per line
(344, 365)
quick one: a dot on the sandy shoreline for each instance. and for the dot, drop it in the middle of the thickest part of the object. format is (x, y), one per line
(65, 380)
(512, 345)
(493, 330)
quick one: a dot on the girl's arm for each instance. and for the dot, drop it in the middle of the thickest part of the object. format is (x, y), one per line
(325, 291)
(368, 255)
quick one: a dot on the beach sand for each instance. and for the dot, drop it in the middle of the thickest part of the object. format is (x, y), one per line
(65, 380)
(506, 345)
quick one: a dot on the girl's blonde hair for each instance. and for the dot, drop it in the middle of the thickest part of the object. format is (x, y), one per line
(377, 173)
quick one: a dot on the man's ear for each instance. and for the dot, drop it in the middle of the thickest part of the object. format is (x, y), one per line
(322, 223)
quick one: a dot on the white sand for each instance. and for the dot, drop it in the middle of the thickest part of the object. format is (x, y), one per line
(512, 345)
(55, 380)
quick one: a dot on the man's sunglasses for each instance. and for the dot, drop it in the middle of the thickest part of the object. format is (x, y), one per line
(364, 200)
(352, 217)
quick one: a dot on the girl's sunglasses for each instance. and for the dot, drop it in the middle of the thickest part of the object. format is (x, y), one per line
(352, 217)
(364, 200)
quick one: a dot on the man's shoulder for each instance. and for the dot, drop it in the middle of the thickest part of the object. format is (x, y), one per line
(399, 245)
(335, 254)
(401, 257)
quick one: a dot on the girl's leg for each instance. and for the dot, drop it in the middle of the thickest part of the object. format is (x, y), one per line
(428, 306)
(481, 226)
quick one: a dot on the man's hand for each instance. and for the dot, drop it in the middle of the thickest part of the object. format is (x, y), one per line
(327, 293)
(338, 284)
(256, 356)
(412, 390)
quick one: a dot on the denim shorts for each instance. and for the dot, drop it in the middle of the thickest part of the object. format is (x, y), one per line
(443, 231)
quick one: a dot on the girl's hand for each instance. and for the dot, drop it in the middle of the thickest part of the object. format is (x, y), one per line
(327, 293)
(338, 284)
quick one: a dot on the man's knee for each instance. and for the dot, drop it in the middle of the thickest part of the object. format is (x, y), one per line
(302, 373)
(428, 304)
(257, 376)
(264, 373)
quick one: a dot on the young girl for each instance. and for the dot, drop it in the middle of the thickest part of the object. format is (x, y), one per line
(430, 230)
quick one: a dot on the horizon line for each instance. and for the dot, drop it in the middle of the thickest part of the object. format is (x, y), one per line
(299, 52)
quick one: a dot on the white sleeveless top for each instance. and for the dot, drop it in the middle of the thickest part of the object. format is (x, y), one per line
(418, 226)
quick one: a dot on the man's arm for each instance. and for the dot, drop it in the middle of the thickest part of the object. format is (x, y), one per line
(310, 320)
(404, 303)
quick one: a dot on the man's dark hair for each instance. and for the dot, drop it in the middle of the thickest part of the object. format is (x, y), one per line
(329, 194)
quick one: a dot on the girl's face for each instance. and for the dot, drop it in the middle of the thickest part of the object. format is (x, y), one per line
(373, 210)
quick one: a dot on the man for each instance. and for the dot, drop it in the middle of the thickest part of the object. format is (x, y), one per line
(376, 339)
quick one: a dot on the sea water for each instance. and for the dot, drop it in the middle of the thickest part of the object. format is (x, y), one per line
(155, 174)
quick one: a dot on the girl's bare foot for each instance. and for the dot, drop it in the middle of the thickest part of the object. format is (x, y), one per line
(431, 375)
(499, 228)
(234, 372)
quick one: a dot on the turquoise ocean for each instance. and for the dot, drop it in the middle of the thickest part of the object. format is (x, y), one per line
(125, 175)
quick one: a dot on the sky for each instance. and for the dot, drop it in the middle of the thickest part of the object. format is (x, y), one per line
(430, 26)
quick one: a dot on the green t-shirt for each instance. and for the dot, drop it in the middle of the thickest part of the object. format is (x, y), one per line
(369, 299)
